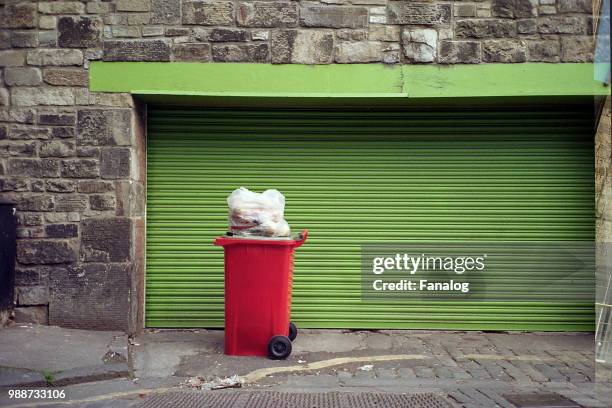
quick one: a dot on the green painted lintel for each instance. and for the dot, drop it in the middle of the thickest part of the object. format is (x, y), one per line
(345, 81)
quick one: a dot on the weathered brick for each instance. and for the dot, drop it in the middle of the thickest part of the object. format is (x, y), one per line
(95, 186)
(228, 35)
(32, 295)
(132, 5)
(485, 28)
(65, 76)
(101, 127)
(35, 202)
(137, 50)
(106, 239)
(18, 15)
(115, 162)
(302, 46)
(45, 252)
(513, 8)
(459, 52)
(60, 186)
(80, 168)
(32, 96)
(12, 58)
(22, 76)
(208, 12)
(24, 39)
(240, 52)
(79, 32)
(56, 148)
(543, 51)
(334, 17)
(57, 57)
(61, 7)
(165, 11)
(347, 52)
(267, 14)
(70, 202)
(191, 52)
(62, 230)
(505, 51)
(102, 202)
(56, 118)
(406, 12)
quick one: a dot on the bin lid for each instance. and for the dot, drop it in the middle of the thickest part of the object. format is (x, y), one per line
(282, 241)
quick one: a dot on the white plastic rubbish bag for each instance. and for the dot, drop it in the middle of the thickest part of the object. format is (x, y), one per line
(255, 214)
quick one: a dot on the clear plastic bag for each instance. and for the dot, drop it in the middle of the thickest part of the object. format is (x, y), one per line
(257, 214)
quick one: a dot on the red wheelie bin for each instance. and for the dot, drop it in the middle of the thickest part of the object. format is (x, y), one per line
(258, 281)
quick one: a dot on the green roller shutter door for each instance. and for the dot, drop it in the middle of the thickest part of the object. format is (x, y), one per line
(353, 177)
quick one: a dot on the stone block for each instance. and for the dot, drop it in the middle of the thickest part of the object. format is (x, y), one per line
(47, 22)
(32, 314)
(56, 148)
(126, 31)
(384, 33)
(513, 8)
(47, 39)
(87, 151)
(4, 97)
(62, 132)
(32, 96)
(90, 296)
(29, 219)
(12, 58)
(18, 15)
(267, 14)
(79, 32)
(24, 39)
(17, 115)
(562, 25)
(62, 230)
(420, 44)
(527, 26)
(241, 52)
(302, 46)
(137, 50)
(334, 17)
(25, 132)
(228, 35)
(208, 12)
(115, 162)
(102, 202)
(358, 52)
(61, 7)
(465, 10)
(177, 31)
(60, 186)
(24, 167)
(575, 6)
(37, 186)
(22, 76)
(32, 295)
(13, 184)
(485, 28)
(35, 202)
(459, 52)
(94, 186)
(543, 51)
(407, 12)
(165, 12)
(191, 52)
(70, 202)
(45, 252)
(152, 31)
(80, 168)
(56, 57)
(101, 127)
(504, 51)
(577, 49)
(132, 5)
(56, 118)
(349, 34)
(106, 239)
(5, 40)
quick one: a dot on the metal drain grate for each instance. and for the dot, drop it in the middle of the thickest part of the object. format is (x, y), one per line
(540, 401)
(242, 399)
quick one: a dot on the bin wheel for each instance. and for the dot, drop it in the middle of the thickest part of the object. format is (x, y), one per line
(293, 331)
(279, 348)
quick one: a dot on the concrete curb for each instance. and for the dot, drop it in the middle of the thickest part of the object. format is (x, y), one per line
(77, 375)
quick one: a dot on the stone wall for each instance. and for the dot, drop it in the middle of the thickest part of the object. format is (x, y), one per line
(73, 160)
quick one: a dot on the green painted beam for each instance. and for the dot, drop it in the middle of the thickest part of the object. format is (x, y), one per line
(345, 81)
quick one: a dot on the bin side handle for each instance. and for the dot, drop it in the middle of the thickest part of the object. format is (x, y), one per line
(301, 238)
